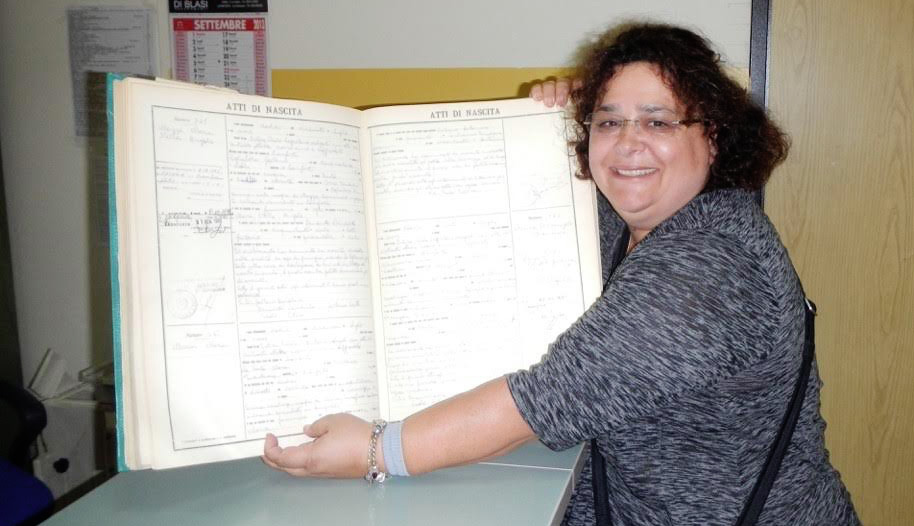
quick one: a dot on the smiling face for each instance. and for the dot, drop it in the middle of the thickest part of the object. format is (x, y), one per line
(646, 173)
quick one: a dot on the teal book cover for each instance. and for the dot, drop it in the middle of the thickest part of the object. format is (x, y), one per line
(115, 288)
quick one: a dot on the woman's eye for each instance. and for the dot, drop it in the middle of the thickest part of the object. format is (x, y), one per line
(658, 124)
(610, 123)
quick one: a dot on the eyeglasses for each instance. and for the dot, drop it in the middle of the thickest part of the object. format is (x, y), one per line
(607, 124)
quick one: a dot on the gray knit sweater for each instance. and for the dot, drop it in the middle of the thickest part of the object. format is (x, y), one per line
(682, 371)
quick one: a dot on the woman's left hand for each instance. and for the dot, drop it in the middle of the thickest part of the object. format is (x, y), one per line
(339, 449)
(554, 92)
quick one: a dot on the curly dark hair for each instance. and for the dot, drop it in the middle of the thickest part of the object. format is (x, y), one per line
(749, 144)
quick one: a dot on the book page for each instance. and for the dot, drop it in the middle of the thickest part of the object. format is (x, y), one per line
(486, 243)
(255, 285)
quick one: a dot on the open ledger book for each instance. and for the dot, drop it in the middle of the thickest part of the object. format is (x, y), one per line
(274, 261)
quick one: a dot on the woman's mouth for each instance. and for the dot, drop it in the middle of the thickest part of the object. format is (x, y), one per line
(634, 172)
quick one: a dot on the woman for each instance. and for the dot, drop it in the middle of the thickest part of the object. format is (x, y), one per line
(683, 368)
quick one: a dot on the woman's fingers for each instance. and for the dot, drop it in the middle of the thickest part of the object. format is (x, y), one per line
(339, 449)
(553, 92)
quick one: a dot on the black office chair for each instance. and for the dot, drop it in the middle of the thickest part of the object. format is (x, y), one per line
(24, 500)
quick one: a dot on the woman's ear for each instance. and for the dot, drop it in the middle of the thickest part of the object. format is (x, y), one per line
(712, 147)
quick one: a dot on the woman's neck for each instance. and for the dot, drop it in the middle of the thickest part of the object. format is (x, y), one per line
(634, 237)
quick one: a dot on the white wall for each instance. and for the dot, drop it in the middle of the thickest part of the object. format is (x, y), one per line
(59, 262)
(477, 33)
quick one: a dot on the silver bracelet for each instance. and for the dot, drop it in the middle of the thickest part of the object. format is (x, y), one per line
(374, 474)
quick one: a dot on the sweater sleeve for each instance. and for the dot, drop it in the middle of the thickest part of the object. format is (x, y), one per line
(679, 313)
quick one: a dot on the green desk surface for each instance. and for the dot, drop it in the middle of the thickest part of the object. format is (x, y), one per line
(529, 486)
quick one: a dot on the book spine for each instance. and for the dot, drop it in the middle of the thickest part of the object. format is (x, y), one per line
(115, 284)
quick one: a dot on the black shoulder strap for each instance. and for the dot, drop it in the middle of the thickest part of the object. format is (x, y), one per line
(756, 501)
(598, 481)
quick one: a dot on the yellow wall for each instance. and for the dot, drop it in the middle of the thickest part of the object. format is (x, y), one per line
(360, 88)
(842, 84)
(373, 87)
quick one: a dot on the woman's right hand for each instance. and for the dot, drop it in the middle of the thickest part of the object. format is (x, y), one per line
(554, 92)
(339, 449)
